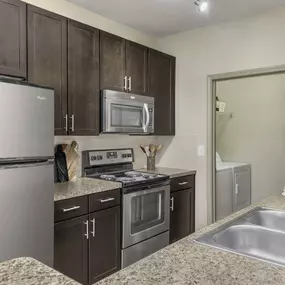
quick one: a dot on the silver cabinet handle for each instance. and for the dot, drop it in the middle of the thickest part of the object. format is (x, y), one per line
(71, 209)
(107, 200)
(93, 227)
(72, 123)
(183, 183)
(130, 83)
(87, 229)
(172, 204)
(66, 122)
(126, 82)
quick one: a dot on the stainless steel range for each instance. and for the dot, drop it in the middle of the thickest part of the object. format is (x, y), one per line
(145, 200)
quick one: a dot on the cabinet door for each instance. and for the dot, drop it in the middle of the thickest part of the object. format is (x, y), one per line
(83, 79)
(112, 62)
(181, 220)
(162, 88)
(47, 58)
(242, 185)
(13, 56)
(136, 68)
(71, 249)
(104, 244)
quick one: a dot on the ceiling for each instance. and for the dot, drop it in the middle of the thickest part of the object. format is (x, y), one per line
(165, 17)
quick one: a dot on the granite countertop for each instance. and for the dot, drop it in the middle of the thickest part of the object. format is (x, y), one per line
(187, 262)
(28, 271)
(172, 172)
(82, 186)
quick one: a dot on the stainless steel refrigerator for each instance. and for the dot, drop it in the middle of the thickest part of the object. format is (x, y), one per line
(26, 171)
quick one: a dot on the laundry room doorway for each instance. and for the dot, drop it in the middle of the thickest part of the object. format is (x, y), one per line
(246, 135)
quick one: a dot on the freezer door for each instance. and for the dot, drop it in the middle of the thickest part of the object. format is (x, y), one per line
(27, 212)
(26, 121)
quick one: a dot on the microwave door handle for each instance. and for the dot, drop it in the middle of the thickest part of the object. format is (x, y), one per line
(144, 118)
(147, 117)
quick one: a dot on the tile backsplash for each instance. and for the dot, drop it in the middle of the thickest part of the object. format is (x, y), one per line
(113, 141)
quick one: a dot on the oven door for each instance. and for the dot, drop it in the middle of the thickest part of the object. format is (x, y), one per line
(145, 214)
(127, 113)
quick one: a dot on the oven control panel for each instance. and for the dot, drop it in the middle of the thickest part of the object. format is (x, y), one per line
(101, 157)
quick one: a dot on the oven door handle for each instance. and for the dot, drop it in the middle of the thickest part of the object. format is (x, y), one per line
(145, 126)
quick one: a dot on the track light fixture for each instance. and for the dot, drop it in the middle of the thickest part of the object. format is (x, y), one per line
(202, 5)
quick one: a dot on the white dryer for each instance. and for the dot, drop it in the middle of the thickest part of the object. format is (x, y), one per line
(233, 188)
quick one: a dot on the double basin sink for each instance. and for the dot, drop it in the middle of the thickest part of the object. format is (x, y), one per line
(259, 234)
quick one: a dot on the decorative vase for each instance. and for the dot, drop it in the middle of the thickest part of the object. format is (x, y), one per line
(150, 163)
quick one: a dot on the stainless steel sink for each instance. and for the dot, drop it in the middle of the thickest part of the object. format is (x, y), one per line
(271, 219)
(259, 234)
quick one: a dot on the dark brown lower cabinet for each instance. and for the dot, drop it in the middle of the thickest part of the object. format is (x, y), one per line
(182, 214)
(104, 244)
(71, 249)
(87, 248)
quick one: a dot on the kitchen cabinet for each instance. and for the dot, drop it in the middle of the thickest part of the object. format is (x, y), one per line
(47, 58)
(123, 65)
(77, 61)
(13, 57)
(105, 245)
(71, 248)
(182, 207)
(112, 62)
(87, 248)
(161, 73)
(83, 79)
(136, 68)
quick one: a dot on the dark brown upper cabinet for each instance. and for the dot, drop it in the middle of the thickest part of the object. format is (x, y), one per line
(47, 58)
(136, 68)
(83, 79)
(112, 62)
(123, 65)
(161, 72)
(13, 50)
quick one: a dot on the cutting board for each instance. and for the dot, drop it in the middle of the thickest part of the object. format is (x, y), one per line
(72, 158)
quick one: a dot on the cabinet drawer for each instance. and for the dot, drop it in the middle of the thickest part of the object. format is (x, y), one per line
(183, 182)
(104, 200)
(70, 208)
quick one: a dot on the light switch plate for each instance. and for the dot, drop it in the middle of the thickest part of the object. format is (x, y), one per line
(201, 150)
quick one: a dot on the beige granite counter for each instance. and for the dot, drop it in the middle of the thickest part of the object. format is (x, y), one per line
(82, 186)
(172, 172)
(187, 262)
(28, 271)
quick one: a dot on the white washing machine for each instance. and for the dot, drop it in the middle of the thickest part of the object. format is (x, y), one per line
(233, 187)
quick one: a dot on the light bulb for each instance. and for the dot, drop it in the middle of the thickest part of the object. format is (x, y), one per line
(203, 6)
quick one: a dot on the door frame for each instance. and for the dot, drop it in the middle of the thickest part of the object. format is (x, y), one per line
(211, 127)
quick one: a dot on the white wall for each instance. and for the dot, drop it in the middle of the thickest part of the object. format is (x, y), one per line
(255, 133)
(83, 15)
(246, 44)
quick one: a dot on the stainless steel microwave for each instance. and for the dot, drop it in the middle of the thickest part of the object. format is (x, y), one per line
(127, 113)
